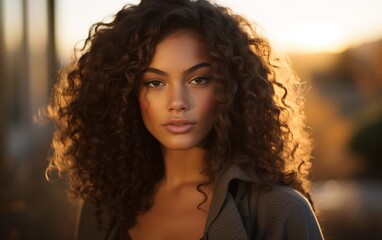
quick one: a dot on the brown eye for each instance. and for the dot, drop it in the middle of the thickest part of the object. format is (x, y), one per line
(154, 83)
(199, 80)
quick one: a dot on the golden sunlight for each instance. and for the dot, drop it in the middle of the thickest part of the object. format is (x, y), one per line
(309, 37)
(319, 26)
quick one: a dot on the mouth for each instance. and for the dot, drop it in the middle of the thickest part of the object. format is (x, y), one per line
(179, 125)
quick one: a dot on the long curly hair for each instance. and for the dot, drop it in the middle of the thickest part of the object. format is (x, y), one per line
(100, 144)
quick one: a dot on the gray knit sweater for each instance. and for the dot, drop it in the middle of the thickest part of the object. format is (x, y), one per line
(237, 212)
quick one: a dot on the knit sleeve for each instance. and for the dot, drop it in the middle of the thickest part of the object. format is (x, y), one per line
(284, 213)
(87, 225)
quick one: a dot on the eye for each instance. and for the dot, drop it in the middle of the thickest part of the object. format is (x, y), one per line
(199, 80)
(154, 83)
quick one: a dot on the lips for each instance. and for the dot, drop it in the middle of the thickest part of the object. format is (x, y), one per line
(179, 125)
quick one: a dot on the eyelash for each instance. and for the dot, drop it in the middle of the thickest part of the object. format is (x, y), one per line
(206, 80)
(151, 82)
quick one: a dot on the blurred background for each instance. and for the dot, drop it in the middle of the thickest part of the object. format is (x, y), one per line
(335, 46)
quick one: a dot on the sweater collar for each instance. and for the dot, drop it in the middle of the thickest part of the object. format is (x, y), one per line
(234, 171)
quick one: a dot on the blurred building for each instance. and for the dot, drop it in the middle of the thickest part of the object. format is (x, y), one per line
(30, 207)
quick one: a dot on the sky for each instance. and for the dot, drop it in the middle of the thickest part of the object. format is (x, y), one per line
(293, 26)
(314, 26)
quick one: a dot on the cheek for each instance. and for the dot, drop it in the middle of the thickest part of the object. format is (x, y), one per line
(144, 105)
(150, 110)
(207, 105)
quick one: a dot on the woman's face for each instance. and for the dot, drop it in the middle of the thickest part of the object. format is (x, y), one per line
(176, 93)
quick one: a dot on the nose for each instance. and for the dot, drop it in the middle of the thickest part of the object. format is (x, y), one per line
(178, 98)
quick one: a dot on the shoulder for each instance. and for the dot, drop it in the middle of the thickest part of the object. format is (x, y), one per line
(88, 225)
(284, 199)
(284, 213)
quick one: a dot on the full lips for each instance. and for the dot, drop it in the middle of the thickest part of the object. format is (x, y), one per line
(179, 128)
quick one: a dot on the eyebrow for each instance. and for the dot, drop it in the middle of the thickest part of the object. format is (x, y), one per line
(188, 71)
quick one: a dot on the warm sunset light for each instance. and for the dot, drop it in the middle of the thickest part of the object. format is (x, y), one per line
(74, 19)
(308, 37)
(58, 114)
(291, 26)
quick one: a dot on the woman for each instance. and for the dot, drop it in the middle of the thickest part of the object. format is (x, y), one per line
(174, 123)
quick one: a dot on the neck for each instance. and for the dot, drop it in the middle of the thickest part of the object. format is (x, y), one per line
(183, 167)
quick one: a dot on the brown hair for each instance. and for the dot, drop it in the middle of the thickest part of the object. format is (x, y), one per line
(100, 143)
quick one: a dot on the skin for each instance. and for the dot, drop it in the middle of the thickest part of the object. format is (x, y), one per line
(177, 86)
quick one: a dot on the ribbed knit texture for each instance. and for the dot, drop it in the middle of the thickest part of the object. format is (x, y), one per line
(282, 213)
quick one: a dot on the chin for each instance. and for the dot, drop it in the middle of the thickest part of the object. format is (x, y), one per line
(180, 145)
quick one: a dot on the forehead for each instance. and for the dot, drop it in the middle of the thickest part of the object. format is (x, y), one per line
(183, 47)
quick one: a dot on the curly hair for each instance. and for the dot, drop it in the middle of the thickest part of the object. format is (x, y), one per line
(100, 144)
